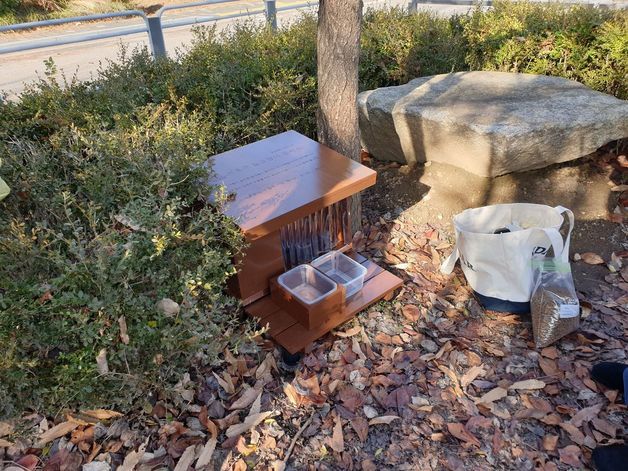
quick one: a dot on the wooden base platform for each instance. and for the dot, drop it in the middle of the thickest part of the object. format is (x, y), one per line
(294, 337)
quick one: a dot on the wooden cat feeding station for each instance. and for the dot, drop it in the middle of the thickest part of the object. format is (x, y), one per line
(289, 194)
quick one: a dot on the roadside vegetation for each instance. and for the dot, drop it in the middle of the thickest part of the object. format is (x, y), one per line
(106, 220)
(19, 11)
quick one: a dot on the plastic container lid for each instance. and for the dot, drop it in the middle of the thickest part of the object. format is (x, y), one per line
(343, 270)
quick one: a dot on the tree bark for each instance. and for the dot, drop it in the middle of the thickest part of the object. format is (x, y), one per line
(338, 55)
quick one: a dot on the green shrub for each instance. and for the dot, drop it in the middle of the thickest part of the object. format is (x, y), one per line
(102, 225)
(257, 83)
(8, 6)
(580, 43)
(397, 47)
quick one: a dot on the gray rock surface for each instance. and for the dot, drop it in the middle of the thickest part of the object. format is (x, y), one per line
(489, 123)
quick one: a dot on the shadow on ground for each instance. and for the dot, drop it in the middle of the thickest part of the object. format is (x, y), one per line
(433, 194)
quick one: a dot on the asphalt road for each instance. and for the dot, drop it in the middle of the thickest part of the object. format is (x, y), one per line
(81, 60)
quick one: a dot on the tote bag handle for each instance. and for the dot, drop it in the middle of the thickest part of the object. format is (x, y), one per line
(561, 248)
(450, 262)
(564, 255)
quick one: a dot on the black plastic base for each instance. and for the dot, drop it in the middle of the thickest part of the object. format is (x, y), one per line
(502, 305)
(290, 359)
(612, 375)
(611, 457)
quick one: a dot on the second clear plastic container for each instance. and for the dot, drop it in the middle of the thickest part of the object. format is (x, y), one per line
(307, 284)
(343, 270)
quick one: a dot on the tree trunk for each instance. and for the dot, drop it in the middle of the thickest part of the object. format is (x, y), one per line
(338, 55)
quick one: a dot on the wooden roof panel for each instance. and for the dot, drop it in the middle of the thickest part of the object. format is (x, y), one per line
(283, 178)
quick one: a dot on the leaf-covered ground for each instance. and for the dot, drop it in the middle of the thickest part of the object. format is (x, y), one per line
(425, 380)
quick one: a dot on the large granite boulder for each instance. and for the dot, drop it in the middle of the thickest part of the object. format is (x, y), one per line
(489, 123)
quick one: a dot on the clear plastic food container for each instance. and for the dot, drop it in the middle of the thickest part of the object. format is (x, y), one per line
(307, 284)
(343, 270)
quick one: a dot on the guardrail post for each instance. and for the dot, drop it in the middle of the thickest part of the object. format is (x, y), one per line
(156, 36)
(412, 6)
(271, 13)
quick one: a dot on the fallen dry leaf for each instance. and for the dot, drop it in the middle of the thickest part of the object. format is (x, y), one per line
(101, 414)
(453, 378)
(205, 457)
(592, 258)
(528, 384)
(337, 442)
(229, 420)
(471, 375)
(225, 382)
(55, 432)
(187, 458)
(29, 462)
(574, 432)
(247, 398)
(571, 455)
(5, 443)
(349, 333)
(383, 419)
(132, 459)
(586, 414)
(308, 385)
(493, 395)
(411, 312)
(250, 422)
(604, 426)
(293, 396)
(256, 407)
(62, 460)
(548, 366)
(124, 335)
(355, 346)
(83, 435)
(361, 427)
(461, 433)
(240, 465)
(6, 428)
(265, 369)
(549, 442)
(101, 362)
(550, 352)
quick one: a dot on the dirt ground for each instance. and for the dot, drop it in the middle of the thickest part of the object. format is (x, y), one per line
(425, 380)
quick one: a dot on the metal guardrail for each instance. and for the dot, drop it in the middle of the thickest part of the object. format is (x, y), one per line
(153, 25)
(47, 42)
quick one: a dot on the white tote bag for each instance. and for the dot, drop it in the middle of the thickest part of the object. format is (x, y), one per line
(498, 266)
